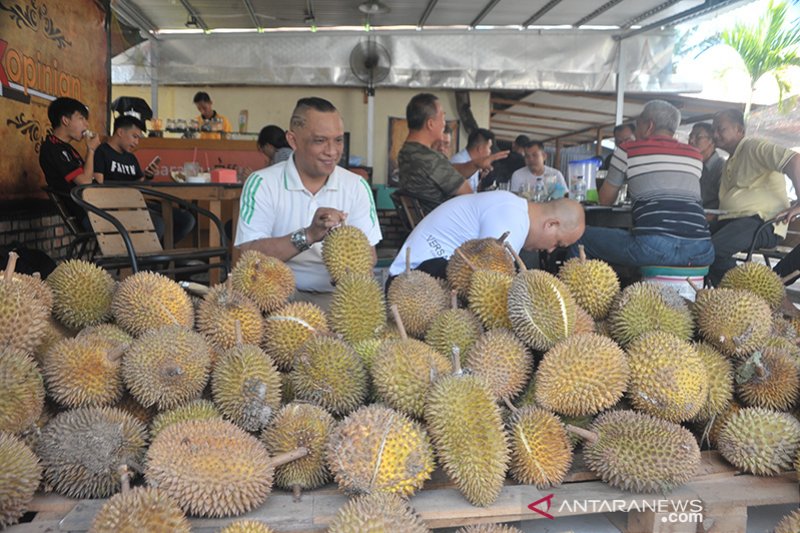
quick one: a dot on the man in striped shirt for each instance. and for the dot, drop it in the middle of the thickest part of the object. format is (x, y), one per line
(663, 176)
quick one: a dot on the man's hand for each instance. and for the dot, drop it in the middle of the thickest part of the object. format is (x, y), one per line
(324, 219)
(92, 140)
(485, 163)
(789, 214)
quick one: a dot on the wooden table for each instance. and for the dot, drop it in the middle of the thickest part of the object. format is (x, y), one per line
(222, 199)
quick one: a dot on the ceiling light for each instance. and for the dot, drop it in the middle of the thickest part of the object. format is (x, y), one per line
(373, 7)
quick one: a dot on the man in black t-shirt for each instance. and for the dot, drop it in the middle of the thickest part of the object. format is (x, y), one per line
(114, 162)
(63, 166)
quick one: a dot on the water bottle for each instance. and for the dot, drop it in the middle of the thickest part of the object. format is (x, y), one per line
(579, 189)
(538, 190)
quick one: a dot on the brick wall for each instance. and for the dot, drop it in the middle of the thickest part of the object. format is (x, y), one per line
(41, 232)
(394, 234)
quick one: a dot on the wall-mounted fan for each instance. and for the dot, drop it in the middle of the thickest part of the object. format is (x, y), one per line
(371, 63)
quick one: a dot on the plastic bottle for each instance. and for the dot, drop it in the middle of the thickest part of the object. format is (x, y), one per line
(538, 190)
(579, 189)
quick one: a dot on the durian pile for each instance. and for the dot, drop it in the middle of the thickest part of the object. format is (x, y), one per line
(205, 405)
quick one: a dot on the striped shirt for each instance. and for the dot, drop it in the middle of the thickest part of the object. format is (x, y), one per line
(663, 177)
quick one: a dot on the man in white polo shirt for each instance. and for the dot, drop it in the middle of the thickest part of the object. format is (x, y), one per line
(532, 226)
(287, 209)
(479, 146)
(555, 186)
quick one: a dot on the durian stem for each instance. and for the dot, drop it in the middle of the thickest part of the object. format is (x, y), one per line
(288, 457)
(511, 406)
(788, 277)
(454, 299)
(456, 360)
(408, 259)
(520, 263)
(464, 258)
(503, 237)
(760, 371)
(399, 322)
(692, 285)
(124, 477)
(116, 353)
(194, 288)
(36, 275)
(296, 493)
(585, 434)
(11, 265)
(581, 253)
(171, 371)
(237, 325)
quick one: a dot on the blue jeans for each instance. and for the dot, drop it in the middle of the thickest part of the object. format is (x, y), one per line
(621, 247)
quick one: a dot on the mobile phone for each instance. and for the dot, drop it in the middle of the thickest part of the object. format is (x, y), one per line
(156, 160)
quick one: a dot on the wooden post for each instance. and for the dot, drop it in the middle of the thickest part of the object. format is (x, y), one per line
(557, 155)
(598, 148)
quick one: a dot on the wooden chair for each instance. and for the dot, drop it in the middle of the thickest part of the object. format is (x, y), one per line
(408, 208)
(127, 238)
(779, 251)
(82, 241)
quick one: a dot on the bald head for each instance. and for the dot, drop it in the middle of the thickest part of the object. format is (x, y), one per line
(555, 224)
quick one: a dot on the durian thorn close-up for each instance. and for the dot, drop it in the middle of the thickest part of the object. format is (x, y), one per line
(589, 436)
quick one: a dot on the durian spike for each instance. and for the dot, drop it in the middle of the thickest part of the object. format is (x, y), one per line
(585, 434)
(288, 457)
(399, 322)
(503, 237)
(238, 329)
(581, 253)
(456, 360)
(194, 288)
(788, 277)
(511, 406)
(464, 258)
(454, 299)
(11, 265)
(408, 260)
(116, 353)
(124, 477)
(520, 263)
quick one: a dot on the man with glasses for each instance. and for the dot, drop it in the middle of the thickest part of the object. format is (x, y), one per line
(752, 190)
(702, 138)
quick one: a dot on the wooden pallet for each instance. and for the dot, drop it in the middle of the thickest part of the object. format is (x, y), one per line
(725, 494)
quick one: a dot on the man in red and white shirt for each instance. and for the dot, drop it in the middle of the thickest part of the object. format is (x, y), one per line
(63, 166)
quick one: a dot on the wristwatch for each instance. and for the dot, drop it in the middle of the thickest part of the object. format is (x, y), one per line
(300, 240)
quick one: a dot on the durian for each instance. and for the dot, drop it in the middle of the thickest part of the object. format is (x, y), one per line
(474, 255)
(593, 284)
(379, 512)
(769, 379)
(454, 328)
(488, 298)
(146, 301)
(736, 322)
(377, 449)
(346, 249)
(541, 451)
(20, 474)
(142, 509)
(760, 441)
(541, 309)
(82, 293)
(720, 381)
(288, 328)
(759, 279)
(266, 280)
(644, 307)
(23, 317)
(789, 523)
(21, 391)
(582, 375)
(247, 526)
(357, 309)
(218, 313)
(110, 332)
(419, 298)
(503, 360)
(194, 410)
(488, 528)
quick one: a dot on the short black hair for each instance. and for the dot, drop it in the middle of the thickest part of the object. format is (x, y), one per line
(272, 135)
(124, 122)
(522, 140)
(734, 115)
(540, 144)
(705, 126)
(65, 107)
(201, 96)
(419, 109)
(479, 136)
(304, 104)
(624, 125)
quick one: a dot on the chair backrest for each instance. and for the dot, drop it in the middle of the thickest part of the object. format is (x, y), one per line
(409, 208)
(127, 205)
(60, 200)
(792, 238)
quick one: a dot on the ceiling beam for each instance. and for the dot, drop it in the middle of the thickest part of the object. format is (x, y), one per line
(527, 125)
(647, 14)
(536, 133)
(193, 12)
(252, 12)
(485, 11)
(508, 101)
(539, 14)
(427, 13)
(599, 11)
(540, 117)
(134, 16)
(709, 6)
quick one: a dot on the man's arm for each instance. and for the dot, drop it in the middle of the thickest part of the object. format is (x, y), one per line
(484, 163)
(608, 193)
(792, 169)
(465, 188)
(282, 247)
(88, 162)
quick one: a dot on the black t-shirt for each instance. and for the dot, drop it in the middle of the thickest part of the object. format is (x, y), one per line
(115, 166)
(61, 164)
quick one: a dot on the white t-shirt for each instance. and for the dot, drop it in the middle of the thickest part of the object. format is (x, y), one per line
(554, 183)
(464, 157)
(465, 217)
(275, 203)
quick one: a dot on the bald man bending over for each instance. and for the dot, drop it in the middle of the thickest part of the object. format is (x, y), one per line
(532, 227)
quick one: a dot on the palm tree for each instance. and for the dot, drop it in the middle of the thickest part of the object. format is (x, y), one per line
(766, 48)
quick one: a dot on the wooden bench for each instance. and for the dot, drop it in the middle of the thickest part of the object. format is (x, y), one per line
(724, 492)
